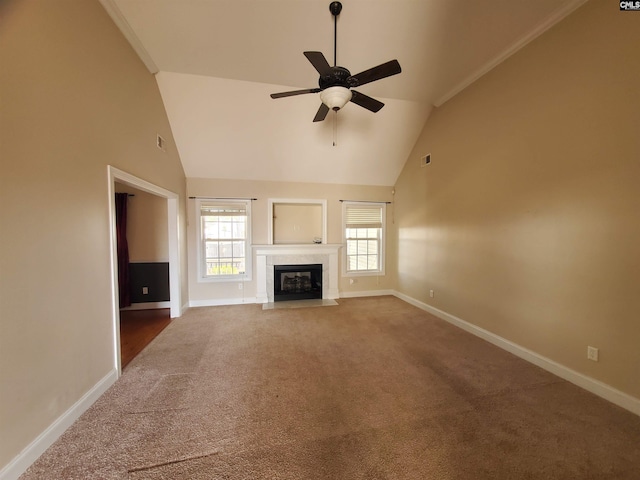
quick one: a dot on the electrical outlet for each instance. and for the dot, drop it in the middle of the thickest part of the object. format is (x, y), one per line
(592, 353)
(145, 290)
(240, 286)
(431, 294)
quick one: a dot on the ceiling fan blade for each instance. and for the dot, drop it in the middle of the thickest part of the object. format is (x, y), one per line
(294, 92)
(322, 113)
(319, 62)
(366, 101)
(375, 73)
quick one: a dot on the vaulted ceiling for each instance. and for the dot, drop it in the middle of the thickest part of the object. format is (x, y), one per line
(217, 61)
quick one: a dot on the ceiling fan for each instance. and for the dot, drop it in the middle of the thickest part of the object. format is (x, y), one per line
(336, 82)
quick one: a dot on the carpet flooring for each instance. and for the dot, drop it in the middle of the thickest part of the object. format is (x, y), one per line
(373, 388)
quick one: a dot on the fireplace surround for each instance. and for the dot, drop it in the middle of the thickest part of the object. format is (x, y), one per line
(267, 256)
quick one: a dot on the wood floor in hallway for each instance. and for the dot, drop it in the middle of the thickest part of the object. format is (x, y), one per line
(138, 328)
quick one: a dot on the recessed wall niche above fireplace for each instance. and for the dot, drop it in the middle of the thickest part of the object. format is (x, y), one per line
(297, 221)
(297, 282)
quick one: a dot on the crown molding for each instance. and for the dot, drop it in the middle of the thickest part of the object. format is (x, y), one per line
(121, 22)
(538, 30)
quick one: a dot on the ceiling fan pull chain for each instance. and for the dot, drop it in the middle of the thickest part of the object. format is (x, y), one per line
(335, 128)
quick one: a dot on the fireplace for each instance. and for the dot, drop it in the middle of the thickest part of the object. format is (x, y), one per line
(267, 256)
(297, 282)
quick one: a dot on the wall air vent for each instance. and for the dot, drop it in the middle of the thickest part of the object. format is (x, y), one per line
(425, 160)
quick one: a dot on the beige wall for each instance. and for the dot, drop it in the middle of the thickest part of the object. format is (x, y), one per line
(75, 98)
(527, 221)
(263, 191)
(147, 228)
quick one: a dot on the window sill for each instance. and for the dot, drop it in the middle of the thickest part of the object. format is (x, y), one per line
(368, 273)
(225, 279)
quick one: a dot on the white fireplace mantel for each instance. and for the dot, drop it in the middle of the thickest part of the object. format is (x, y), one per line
(298, 254)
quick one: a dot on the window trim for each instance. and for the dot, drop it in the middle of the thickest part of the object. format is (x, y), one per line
(382, 252)
(202, 277)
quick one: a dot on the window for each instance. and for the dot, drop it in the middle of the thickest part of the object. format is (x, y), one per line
(225, 240)
(363, 237)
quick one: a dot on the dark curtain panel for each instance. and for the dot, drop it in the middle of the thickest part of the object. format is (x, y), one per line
(124, 287)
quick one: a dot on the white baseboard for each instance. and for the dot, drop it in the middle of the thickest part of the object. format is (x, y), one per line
(592, 385)
(366, 293)
(216, 302)
(30, 454)
(148, 306)
(184, 308)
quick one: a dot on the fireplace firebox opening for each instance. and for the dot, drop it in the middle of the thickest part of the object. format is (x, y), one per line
(297, 282)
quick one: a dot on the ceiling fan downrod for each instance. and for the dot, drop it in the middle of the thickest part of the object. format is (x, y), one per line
(335, 8)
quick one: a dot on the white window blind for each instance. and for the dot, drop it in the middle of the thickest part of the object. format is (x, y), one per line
(363, 217)
(223, 210)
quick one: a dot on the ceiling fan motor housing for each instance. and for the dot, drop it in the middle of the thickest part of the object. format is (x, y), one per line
(337, 78)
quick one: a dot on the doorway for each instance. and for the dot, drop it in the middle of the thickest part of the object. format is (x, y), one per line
(119, 176)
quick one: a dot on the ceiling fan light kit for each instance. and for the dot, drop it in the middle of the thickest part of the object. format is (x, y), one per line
(335, 97)
(335, 83)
